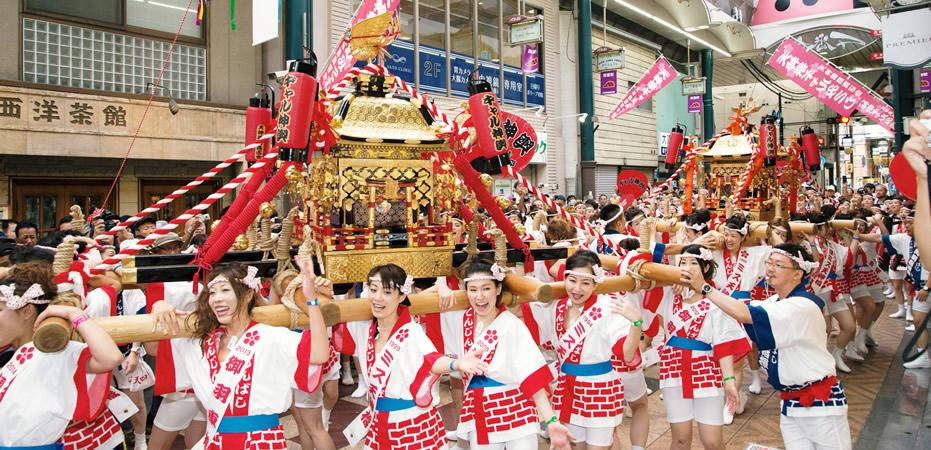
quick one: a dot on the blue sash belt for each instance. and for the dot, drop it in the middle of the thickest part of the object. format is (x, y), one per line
(586, 370)
(55, 446)
(393, 404)
(740, 295)
(480, 381)
(248, 424)
(688, 344)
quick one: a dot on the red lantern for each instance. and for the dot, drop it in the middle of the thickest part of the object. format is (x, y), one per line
(768, 139)
(672, 147)
(258, 123)
(811, 148)
(491, 142)
(295, 112)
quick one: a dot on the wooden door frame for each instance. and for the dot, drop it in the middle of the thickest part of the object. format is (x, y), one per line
(59, 185)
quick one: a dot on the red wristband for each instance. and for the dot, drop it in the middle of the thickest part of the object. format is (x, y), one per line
(77, 321)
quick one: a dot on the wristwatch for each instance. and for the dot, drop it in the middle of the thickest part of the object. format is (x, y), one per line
(705, 289)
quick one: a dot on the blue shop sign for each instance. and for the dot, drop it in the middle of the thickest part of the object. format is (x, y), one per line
(536, 90)
(513, 86)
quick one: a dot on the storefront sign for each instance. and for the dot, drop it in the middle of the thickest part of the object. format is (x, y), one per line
(907, 38)
(539, 156)
(608, 83)
(341, 60)
(694, 104)
(530, 62)
(924, 81)
(609, 59)
(527, 31)
(839, 91)
(693, 86)
(661, 74)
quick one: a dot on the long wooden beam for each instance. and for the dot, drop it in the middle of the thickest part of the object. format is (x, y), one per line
(52, 335)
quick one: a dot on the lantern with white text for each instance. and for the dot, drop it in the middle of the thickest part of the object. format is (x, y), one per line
(768, 140)
(672, 147)
(295, 112)
(810, 148)
(492, 147)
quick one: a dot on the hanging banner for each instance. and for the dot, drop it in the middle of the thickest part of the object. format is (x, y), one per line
(822, 79)
(924, 81)
(341, 60)
(906, 38)
(661, 74)
(609, 82)
(530, 63)
(694, 104)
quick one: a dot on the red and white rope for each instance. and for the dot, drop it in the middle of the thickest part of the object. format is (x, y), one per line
(689, 158)
(111, 262)
(575, 221)
(184, 189)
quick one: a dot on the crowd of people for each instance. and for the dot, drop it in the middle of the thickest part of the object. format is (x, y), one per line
(755, 301)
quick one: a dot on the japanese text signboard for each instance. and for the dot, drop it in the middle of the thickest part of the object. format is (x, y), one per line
(836, 89)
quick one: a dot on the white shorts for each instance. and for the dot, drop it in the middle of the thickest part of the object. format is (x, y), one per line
(524, 443)
(707, 410)
(831, 308)
(177, 411)
(635, 385)
(922, 307)
(875, 292)
(312, 400)
(601, 436)
(811, 433)
(896, 274)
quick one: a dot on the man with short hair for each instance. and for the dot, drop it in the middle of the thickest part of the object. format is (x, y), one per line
(881, 193)
(602, 201)
(8, 229)
(27, 233)
(144, 227)
(64, 224)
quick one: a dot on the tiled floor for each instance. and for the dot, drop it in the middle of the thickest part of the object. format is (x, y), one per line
(760, 422)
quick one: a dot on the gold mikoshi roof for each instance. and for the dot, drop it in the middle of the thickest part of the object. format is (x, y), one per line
(382, 118)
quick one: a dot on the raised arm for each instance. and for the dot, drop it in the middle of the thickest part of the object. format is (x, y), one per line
(918, 150)
(320, 343)
(105, 356)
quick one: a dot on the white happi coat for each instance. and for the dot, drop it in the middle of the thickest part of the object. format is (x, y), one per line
(790, 334)
(738, 276)
(407, 378)
(66, 392)
(278, 365)
(503, 412)
(697, 371)
(828, 281)
(603, 342)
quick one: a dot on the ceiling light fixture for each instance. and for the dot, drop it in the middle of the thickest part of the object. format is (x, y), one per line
(673, 27)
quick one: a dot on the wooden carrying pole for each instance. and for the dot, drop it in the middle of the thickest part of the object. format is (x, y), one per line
(758, 229)
(518, 289)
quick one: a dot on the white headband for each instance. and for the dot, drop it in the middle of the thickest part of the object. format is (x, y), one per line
(14, 302)
(743, 231)
(806, 266)
(604, 223)
(704, 255)
(408, 286)
(697, 226)
(250, 280)
(598, 274)
(497, 274)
